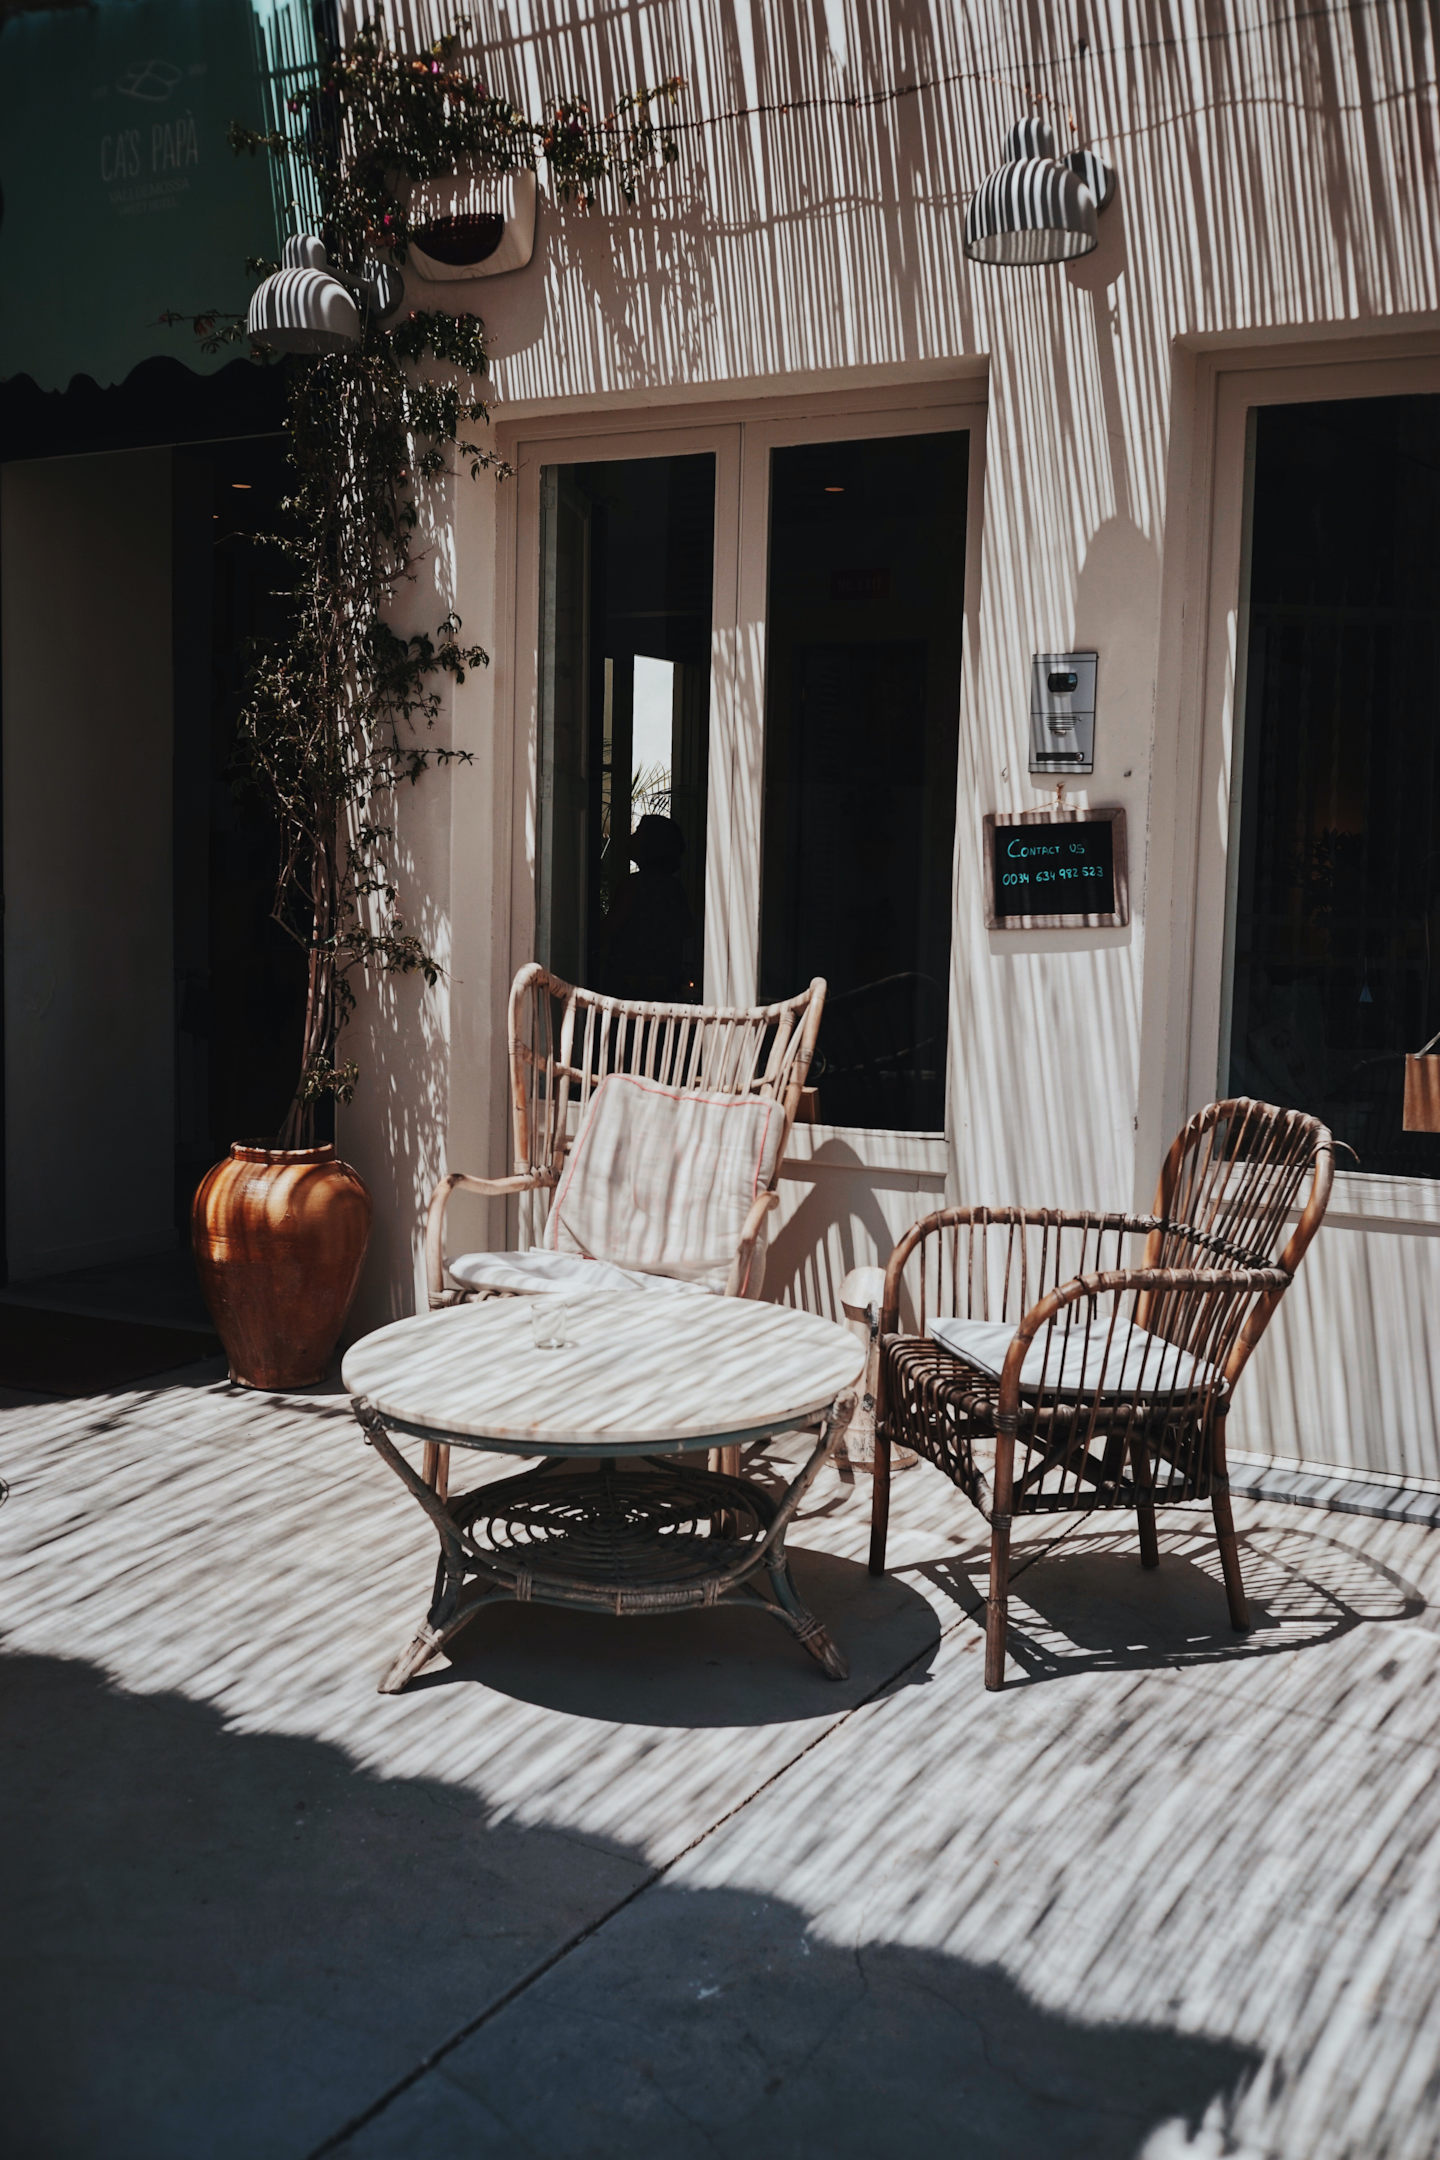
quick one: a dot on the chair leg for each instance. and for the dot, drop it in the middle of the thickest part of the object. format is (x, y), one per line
(1149, 1542)
(435, 1468)
(1230, 1562)
(879, 1503)
(997, 1606)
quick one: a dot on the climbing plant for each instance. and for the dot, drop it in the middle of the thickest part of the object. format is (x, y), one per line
(340, 712)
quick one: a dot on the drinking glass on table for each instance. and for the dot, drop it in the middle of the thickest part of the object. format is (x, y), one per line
(549, 1318)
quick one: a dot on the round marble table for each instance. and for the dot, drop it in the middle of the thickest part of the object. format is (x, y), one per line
(603, 1522)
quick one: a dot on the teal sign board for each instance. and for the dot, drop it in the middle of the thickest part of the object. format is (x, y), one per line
(122, 197)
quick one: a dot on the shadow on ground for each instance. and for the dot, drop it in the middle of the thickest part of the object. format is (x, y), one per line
(1083, 1602)
(235, 1945)
(731, 1665)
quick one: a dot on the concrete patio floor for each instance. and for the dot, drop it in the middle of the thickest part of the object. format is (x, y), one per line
(658, 1887)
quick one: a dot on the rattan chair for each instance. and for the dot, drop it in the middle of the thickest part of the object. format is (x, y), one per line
(1086, 1372)
(564, 1042)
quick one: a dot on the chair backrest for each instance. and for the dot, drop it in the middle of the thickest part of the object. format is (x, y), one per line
(1229, 1187)
(1234, 1178)
(565, 1040)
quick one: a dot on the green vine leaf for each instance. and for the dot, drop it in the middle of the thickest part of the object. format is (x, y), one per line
(339, 714)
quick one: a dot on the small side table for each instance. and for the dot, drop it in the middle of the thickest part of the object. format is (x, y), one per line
(603, 1522)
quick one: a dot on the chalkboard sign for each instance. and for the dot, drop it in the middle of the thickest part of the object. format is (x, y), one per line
(1047, 871)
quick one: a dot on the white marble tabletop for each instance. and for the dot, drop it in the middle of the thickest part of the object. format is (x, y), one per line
(639, 1372)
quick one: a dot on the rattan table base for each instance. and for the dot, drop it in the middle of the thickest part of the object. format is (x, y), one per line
(640, 1536)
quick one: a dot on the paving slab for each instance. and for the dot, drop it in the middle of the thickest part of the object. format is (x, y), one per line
(1167, 1893)
(705, 2022)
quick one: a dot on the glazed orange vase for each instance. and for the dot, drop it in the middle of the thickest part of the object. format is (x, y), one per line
(280, 1238)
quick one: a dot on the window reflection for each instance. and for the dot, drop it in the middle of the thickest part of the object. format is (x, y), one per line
(863, 643)
(627, 554)
(1336, 969)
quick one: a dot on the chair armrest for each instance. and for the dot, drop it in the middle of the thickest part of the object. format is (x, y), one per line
(739, 1280)
(462, 1180)
(1223, 1284)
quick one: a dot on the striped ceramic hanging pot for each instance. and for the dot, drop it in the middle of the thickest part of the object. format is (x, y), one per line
(1036, 208)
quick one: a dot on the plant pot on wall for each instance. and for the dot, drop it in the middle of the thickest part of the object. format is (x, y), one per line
(473, 226)
(280, 1238)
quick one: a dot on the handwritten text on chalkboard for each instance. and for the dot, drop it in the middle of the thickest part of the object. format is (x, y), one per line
(1065, 869)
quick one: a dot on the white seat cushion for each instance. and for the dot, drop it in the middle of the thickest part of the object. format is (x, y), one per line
(661, 1180)
(563, 1274)
(1129, 1361)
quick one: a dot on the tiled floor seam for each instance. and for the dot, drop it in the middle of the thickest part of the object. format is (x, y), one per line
(338, 2139)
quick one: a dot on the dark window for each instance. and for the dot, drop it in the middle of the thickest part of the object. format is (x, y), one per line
(1336, 970)
(862, 701)
(627, 573)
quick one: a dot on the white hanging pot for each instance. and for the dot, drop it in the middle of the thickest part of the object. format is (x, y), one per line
(1036, 208)
(473, 225)
(301, 307)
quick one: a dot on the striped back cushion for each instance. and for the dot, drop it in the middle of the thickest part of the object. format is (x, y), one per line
(662, 1180)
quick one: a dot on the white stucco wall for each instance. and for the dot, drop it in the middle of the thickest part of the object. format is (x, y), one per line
(89, 1000)
(1277, 184)
(425, 1102)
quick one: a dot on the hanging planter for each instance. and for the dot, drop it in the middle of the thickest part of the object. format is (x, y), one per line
(1036, 207)
(481, 225)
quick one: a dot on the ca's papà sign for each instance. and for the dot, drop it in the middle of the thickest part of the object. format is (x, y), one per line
(122, 197)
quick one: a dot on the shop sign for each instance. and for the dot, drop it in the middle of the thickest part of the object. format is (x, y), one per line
(122, 197)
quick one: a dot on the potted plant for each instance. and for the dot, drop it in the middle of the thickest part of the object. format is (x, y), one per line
(339, 713)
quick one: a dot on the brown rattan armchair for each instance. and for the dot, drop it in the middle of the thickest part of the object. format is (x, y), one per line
(1095, 1356)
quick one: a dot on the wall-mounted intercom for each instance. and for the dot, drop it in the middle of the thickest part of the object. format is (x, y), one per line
(1062, 712)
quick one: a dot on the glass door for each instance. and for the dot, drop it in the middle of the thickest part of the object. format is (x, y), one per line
(627, 550)
(748, 652)
(862, 712)
(1335, 927)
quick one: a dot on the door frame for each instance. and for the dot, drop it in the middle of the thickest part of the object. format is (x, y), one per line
(1208, 762)
(741, 433)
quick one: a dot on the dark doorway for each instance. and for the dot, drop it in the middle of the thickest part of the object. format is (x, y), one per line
(1336, 939)
(627, 577)
(239, 979)
(862, 708)
(208, 450)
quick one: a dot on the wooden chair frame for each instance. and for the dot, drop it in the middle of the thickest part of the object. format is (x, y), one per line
(1207, 1283)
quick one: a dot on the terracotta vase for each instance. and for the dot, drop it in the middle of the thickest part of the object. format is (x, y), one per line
(280, 1238)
